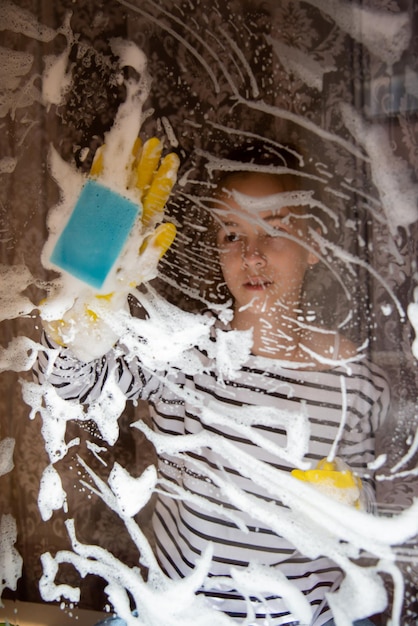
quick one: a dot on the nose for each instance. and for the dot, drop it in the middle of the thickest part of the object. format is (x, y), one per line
(252, 255)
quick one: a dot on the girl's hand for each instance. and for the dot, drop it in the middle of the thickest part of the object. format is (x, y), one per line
(111, 243)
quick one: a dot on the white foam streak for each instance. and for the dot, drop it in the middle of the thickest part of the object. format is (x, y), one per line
(361, 594)
(20, 355)
(56, 81)
(390, 174)
(169, 131)
(7, 164)
(14, 280)
(181, 605)
(334, 447)
(412, 312)
(303, 65)
(11, 562)
(352, 260)
(132, 493)
(308, 526)
(254, 87)
(408, 456)
(179, 493)
(116, 502)
(19, 20)
(258, 580)
(70, 184)
(7, 446)
(55, 413)
(19, 87)
(51, 495)
(47, 588)
(230, 350)
(241, 420)
(385, 34)
(398, 590)
(97, 450)
(283, 114)
(273, 202)
(117, 156)
(200, 59)
(309, 506)
(106, 410)
(160, 348)
(14, 64)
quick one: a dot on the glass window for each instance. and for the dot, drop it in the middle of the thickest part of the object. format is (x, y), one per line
(219, 427)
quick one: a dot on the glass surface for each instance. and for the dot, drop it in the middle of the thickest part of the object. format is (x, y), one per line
(328, 89)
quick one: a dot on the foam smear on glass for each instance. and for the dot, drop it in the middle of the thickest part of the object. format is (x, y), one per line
(11, 562)
(308, 519)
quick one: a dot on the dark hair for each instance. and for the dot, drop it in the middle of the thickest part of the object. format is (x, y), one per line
(283, 161)
(259, 156)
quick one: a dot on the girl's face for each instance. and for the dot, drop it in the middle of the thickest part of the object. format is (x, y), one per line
(264, 252)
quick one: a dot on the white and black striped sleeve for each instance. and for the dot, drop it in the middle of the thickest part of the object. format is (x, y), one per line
(76, 380)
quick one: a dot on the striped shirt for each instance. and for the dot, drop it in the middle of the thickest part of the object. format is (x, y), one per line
(260, 415)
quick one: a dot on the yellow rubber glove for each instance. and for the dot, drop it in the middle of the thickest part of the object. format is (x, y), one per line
(80, 324)
(153, 181)
(335, 479)
(150, 175)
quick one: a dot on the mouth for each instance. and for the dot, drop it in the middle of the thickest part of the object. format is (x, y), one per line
(257, 284)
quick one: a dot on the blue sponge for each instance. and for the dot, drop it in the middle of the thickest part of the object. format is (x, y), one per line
(95, 233)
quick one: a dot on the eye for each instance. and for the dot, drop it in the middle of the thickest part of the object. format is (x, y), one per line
(228, 237)
(276, 228)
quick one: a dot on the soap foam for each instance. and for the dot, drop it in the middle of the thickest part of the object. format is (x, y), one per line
(11, 562)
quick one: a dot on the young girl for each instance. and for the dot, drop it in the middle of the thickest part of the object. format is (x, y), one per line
(295, 374)
(264, 256)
